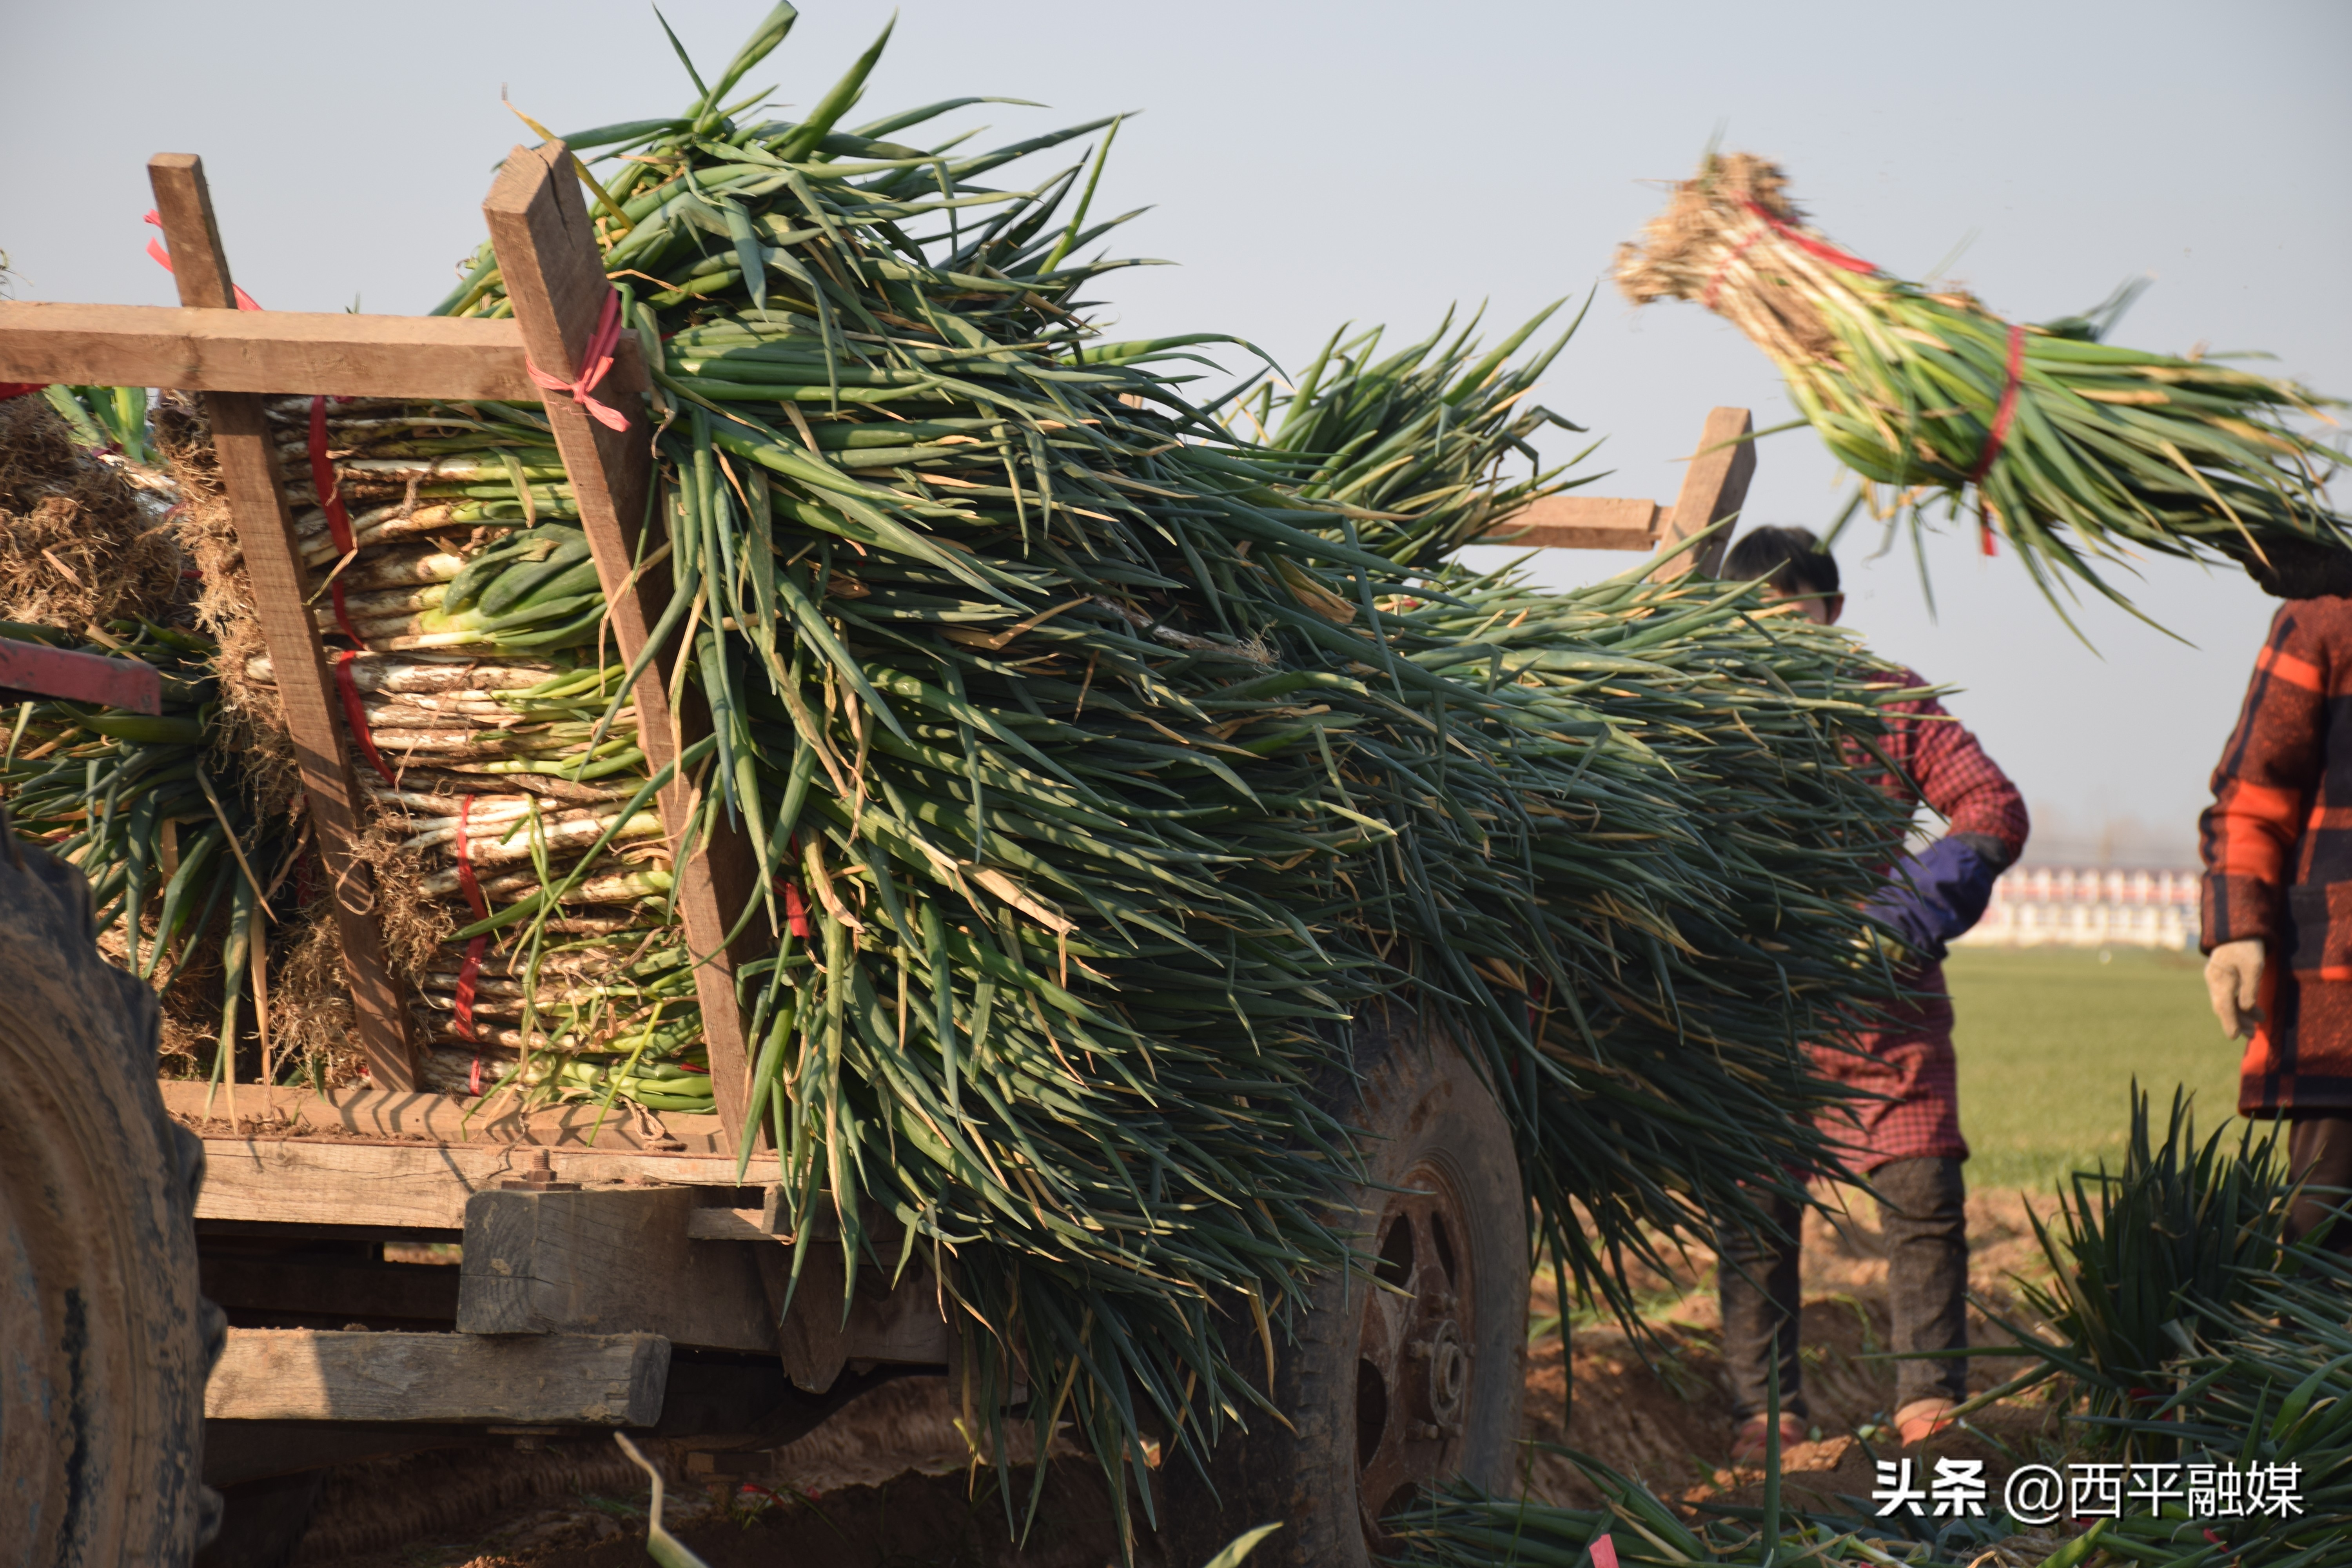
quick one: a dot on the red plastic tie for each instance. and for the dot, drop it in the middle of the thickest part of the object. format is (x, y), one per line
(1604, 1552)
(469, 973)
(163, 260)
(465, 863)
(356, 712)
(796, 910)
(9, 389)
(339, 520)
(1820, 250)
(1716, 282)
(2007, 412)
(322, 479)
(597, 360)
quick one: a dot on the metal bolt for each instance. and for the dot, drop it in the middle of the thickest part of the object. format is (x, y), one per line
(1418, 1350)
(538, 1176)
(1427, 1431)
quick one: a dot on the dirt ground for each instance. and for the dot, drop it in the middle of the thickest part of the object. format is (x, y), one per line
(830, 1500)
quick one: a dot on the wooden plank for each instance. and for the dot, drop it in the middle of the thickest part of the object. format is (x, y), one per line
(1714, 487)
(1579, 522)
(555, 275)
(31, 669)
(273, 562)
(613, 1260)
(816, 1339)
(279, 351)
(291, 1112)
(413, 1185)
(313, 1374)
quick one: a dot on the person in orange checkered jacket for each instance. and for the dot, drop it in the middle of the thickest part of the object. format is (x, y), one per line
(2277, 846)
(1903, 1134)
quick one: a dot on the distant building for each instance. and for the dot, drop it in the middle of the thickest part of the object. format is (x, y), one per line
(2068, 906)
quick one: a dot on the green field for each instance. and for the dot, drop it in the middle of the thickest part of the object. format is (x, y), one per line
(2050, 1040)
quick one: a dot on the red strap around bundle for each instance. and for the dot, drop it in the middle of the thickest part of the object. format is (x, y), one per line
(9, 389)
(1820, 250)
(163, 258)
(339, 520)
(356, 712)
(465, 879)
(322, 478)
(2007, 412)
(470, 971)
(595, 361)
(1716, 282)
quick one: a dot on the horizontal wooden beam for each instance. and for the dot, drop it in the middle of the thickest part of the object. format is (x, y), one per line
(284, 352)
(414, 1186)
(394, 1115)
(31, 669)
(310, 1375)
(1581, 522)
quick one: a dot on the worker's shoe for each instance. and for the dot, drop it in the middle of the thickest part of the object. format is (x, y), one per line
(1923, 1418)
(1747, 1445)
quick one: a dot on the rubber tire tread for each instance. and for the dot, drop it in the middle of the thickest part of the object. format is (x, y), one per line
(1419, 1095)
(105, 1339)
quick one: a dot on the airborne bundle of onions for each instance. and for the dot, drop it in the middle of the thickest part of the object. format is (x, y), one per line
(2074, 448)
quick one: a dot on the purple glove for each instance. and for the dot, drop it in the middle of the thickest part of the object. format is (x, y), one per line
(1936, 894)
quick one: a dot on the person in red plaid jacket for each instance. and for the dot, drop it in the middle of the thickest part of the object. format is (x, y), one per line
(2277, 846)
(1904, 1137)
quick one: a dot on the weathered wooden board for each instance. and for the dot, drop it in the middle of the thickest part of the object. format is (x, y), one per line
(554, 274)
(273, 562)
(1715, 486)
(310, 1375)
(411, 1186)
(389, 1115)
(278, 352)
(31, 669)
(1581, 522)
(607, 1260)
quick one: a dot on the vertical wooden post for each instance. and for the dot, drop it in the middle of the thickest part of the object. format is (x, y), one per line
(554, 273)
(273, 560)
(1715, 486)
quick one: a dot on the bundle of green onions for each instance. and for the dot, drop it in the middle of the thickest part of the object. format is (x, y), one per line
(1101, 770)
(1415, 441)
(173, 849)
(2073, 448)
(2181, 1327)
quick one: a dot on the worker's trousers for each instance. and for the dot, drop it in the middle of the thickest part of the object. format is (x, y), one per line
(2319, 1155)
(1923, 1215)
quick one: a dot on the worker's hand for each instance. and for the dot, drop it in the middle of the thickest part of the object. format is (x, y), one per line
(2233, 978)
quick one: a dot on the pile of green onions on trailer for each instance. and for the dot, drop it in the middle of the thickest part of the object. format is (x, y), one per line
(1108, 746)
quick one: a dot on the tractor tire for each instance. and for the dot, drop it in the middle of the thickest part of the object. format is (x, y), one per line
(1411, 1377)
(105, 1340)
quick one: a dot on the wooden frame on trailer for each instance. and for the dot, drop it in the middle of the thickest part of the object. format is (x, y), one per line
(553, 273)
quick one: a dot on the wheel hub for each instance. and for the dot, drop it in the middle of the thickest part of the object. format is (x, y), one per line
(1415, 1348)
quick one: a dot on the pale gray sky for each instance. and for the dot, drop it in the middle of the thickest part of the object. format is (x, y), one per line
(1313, 164)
